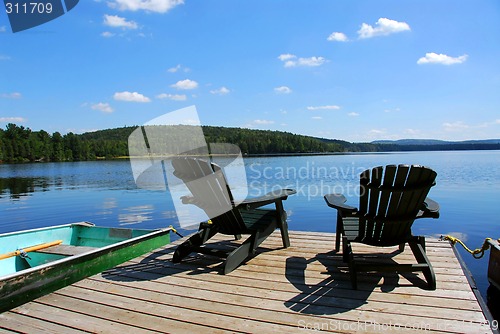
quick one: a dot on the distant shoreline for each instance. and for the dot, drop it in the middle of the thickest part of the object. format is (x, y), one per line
(20, 145)
(269, 155)
(302, 154)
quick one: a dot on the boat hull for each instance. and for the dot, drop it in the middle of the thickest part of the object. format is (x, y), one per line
(494, 264)
(28, 284)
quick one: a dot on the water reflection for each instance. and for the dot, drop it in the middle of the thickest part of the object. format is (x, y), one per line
(136, 215)
(17, 187)
(107, 206)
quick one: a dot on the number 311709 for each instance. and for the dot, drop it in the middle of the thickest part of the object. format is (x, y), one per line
(28, 8)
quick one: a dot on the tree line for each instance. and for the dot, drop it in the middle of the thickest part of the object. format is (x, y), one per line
(20, 144)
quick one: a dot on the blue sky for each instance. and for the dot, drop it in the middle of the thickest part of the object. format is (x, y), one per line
(350, 70)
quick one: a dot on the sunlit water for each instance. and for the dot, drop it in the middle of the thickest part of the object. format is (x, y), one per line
(104, 192)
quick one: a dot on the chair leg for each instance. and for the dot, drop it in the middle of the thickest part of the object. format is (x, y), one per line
(247, 248)
(193, 243)
(338, 232)
(418, 248)
(237, 257)
(282, 224)
(346, 249)
(402, 247)
(348, 257)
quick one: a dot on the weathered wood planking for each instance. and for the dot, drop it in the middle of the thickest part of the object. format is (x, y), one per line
(299, 289)
(67, 250)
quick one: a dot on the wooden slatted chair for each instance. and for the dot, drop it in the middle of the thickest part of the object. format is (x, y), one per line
(210, 192)
(390, 201)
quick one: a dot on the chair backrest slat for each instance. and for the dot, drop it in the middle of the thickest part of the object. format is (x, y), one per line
(364, 180)
(390, 172)
(211, 193)
(390, 200)
(374, 195)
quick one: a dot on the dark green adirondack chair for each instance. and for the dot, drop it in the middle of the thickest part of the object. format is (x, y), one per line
(210, 192)
(391, 198)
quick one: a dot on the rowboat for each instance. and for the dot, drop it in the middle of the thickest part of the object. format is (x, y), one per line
(38, 261)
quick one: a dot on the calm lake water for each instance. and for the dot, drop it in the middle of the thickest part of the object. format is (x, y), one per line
(104, 192)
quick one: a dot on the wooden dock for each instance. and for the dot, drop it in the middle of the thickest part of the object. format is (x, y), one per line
(304, 288)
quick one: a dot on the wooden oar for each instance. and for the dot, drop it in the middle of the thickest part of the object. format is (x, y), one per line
(30, 249)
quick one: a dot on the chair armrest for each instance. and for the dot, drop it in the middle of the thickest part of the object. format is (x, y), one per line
(269, 198)
(188, 200)
(337, 201)
(430, 209)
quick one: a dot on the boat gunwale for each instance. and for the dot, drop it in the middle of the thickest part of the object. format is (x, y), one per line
(45, 228)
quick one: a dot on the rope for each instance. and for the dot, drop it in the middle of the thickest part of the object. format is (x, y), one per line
(476, 253)
(175, 231)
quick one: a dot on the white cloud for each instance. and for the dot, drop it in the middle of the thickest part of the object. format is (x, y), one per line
(220, 91)
(317, 117)
(4, 57)
(337, 37)
(329, 107)
(174, 69)
(3, 29)
(13, 119)
(14, 95)
(376, 132)
(104, 107)
(185, 84)
(293, 61)
(173, 97)
(119, 22)
(131, 97)
(312, 61)
(178, 68)
(353, 114)
(434, 58)
(478, 130)
(157, 6)
(286, 56)
(383, 27)
(107, 34)
(455, 126)
(412, 132)
(263, 122)
(283, 90)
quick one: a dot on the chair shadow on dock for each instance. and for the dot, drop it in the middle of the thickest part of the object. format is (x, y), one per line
(159, 264)
(334, 294)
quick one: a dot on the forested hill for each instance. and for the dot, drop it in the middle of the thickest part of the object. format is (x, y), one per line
(20, 144)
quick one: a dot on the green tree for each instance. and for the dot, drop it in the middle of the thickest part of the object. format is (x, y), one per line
(57, 147)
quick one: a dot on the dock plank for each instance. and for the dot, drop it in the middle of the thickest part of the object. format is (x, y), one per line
(24, 323)
(305, 287)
